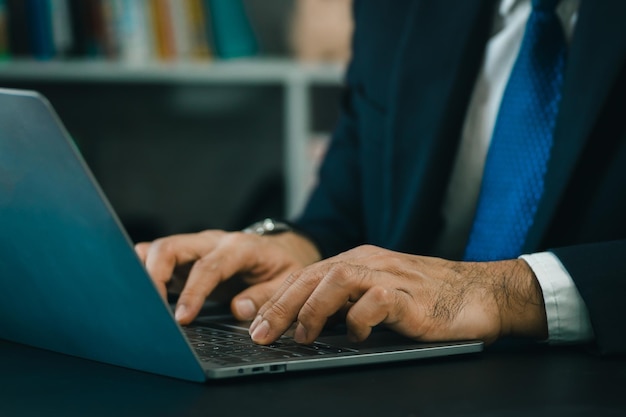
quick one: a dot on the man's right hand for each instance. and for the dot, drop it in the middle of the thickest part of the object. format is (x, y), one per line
(215, 256)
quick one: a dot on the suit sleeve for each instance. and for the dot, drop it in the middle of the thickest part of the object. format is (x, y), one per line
(599, 272)
(333, 216)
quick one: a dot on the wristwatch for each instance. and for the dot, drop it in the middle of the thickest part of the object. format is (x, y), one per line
(268, 227)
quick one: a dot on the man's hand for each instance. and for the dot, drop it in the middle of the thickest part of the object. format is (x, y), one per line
(215, 256)
(424, 298)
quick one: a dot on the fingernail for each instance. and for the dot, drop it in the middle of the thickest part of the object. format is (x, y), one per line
(181, 312)
(261, 331)
(254, 324)
(245, 309)
(300, 334)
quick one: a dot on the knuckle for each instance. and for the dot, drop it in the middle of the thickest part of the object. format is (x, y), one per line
(368, 249)
(234, 239)
(207, 264)
(381, 296)
(207, 270)
(163, 247)
(382, 255)
(279, 310)
(360, 250)
(337, 275)
(292, 278)
(211, 233)
(308, 313)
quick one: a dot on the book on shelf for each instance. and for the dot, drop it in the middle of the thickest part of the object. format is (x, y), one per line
(134, 31)
(232, 31)
(39, 28)
(200, 30)
(162, 24)
(16, 21)
(61, 26)
(130, 26)
(4, 31)
(82, 27)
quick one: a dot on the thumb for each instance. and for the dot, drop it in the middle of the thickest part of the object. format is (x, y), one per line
(246, 304)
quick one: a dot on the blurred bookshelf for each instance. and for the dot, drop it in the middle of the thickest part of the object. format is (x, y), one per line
(296, 79)
(300, 143)
(136, 81)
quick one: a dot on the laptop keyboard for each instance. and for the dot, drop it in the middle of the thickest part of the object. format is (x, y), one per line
(229, 347)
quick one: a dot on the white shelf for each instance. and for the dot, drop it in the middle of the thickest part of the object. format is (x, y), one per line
(296, 79)
(253, 71)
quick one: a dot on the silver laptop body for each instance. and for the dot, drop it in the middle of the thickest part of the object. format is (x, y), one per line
(70, 280)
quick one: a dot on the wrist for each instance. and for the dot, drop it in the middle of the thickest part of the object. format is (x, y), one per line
(302, 248)
(289, 237)
(520, 300)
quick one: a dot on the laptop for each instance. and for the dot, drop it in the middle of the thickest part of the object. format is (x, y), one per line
(70, 280)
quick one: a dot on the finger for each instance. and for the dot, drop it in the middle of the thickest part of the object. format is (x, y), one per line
(163, 255)
(342, 283)
(311, 296)
(142, 250)
(373, 308)
(320, 266)
(245, 305)
(282, 308)
(235, 253)
(314, 274)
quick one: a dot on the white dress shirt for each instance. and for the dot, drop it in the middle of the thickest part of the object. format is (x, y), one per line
(568, 319)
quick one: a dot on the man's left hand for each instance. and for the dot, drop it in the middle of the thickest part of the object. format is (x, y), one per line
(424, 298)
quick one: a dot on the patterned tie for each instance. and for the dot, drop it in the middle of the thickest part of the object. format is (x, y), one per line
(513, 179)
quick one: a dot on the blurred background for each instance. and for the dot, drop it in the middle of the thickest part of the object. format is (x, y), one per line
(192, 114)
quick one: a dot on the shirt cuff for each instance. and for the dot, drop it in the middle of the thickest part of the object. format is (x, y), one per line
(568, 318)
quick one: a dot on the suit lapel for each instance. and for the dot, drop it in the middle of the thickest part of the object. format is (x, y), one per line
(597, 54)
(439, 59)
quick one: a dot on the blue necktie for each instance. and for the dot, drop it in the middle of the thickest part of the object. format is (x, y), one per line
(513, 178)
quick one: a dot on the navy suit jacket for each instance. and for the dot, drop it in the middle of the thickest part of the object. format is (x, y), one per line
(408, 87)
